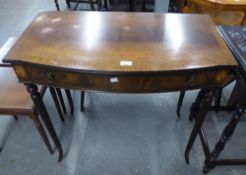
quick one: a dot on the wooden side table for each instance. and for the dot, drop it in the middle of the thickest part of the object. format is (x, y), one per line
(122, 53)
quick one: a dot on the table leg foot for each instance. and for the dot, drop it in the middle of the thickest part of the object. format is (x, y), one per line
(57, 5)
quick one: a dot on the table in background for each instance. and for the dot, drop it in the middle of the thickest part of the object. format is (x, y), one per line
(120, 52)
(223, 12)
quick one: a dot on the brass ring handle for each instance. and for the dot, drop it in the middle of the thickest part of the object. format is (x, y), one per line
(192, 80)
(50, 77)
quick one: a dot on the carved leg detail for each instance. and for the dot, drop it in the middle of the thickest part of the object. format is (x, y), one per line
(195, 106)
(82, 101)
(199, 118)
(70, 100)
(59, 93)
(227, 133)
(38, 102)
(181, 98)
(55, 99)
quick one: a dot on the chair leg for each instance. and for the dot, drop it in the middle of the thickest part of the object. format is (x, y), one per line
(68, 4)
(180, 102)
(70, 100)
(15, 117)
(82, 101)
(42, 133)
(59, 93)
(55, 99)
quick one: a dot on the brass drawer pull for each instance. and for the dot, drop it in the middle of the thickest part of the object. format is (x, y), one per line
(50, 77)
(192, 80)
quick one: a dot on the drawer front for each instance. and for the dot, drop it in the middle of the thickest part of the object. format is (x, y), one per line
(124, 83)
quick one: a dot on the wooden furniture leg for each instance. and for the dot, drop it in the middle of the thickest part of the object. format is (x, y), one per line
(106, 4)
(68, 4)
(205, 97)
(82, 101)
(59, 93)
(227, 133)
(57, 5)
(38, 102)
(54, 96)
(91, 4)
(131, 6)
(181, 98)
(99, 4)
(41, 131)
(70, 100)
(15, 117)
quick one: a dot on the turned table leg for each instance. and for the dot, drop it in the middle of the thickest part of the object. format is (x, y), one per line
(227, 133)
(38, 103)
(204, 100)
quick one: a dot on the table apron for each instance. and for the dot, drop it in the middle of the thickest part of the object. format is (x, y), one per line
(123, 83)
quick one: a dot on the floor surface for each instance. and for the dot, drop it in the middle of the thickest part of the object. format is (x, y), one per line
(117, 134)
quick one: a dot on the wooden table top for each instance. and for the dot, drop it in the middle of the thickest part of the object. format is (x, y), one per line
(121, 42)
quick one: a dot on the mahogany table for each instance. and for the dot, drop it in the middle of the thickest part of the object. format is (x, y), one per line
(122, 53)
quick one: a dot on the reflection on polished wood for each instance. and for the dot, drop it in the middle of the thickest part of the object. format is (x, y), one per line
(223, 12)
(114, 49)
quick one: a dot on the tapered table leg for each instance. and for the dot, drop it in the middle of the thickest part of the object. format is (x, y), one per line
(82, 101)
(59, 93)
(55, 98)
(57, 5)
(181, 98)
(70, 100)
(202, 112)
(38, 103)
(41, 131)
